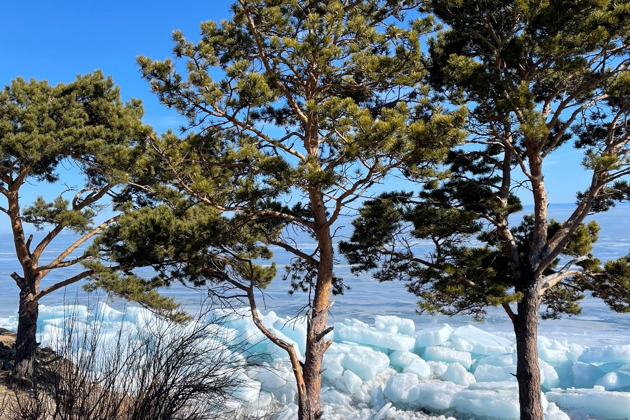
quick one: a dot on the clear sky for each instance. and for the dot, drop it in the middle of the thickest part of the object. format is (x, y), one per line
(58, 40)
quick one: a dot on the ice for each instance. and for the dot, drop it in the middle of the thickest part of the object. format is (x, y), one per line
(493, 403)
(295, 330)
(497, 385)
(276, 379)
(377, 397)
(457, 374)
(235, 318)
(373, 337)
(437, 368)
(387, 370)
(353, 322)
(418, 367)
(548, 376)
(433, 336)
(553, 356)
(615, 381)
(365, 362)
(553, 412)
(585, 375)
(555, 352)
(382, 413)
(400, 359)
(444, 354)
(138, 316)
(395, 324)
(332, 396)
(225, 334)
(10, 322)
(362, 395)
(247, 389)
(402, 388)
(257, 342)
(351, 381)
(609, 405)
(437, 395)
(490, 373)
(79, 312)
(272, 378)
(503, 360)
(410, 363)
(276, 351)
(482, 342)
(458, 343)
(618, 353)
(106, 313)
(56, 333)
(333, 368)
(288, 412)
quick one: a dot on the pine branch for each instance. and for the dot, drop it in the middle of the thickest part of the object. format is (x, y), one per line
(270, 71)
(551, 280)
(59, 263)
(62, 284)
(306, 257)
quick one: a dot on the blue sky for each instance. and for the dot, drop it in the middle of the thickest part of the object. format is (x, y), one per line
(58, 40)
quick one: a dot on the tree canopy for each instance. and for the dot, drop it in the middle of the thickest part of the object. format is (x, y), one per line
(296, 109)
(535, 76)
(80, 134)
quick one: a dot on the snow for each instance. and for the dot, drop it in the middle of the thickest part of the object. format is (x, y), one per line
(391, 370)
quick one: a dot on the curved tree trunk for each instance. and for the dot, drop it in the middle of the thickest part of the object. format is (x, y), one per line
(26, 341)
(527, 370)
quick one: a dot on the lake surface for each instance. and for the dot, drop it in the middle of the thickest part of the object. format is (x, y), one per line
(366, 297)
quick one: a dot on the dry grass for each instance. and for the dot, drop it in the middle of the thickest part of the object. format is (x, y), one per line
(166, 375)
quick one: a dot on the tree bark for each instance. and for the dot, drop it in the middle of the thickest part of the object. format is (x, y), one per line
(527, 370)
(316, 346)
(26, 341)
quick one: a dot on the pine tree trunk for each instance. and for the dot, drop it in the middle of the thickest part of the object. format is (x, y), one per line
(26, 341)
(315, 349)
(527, 370)
(315, 343)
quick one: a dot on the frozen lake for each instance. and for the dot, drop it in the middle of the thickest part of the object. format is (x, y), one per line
(367, 298)
(387, 367)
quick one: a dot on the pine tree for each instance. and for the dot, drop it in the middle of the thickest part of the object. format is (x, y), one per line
(80, 134)
(296, 109)
(535, 76)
